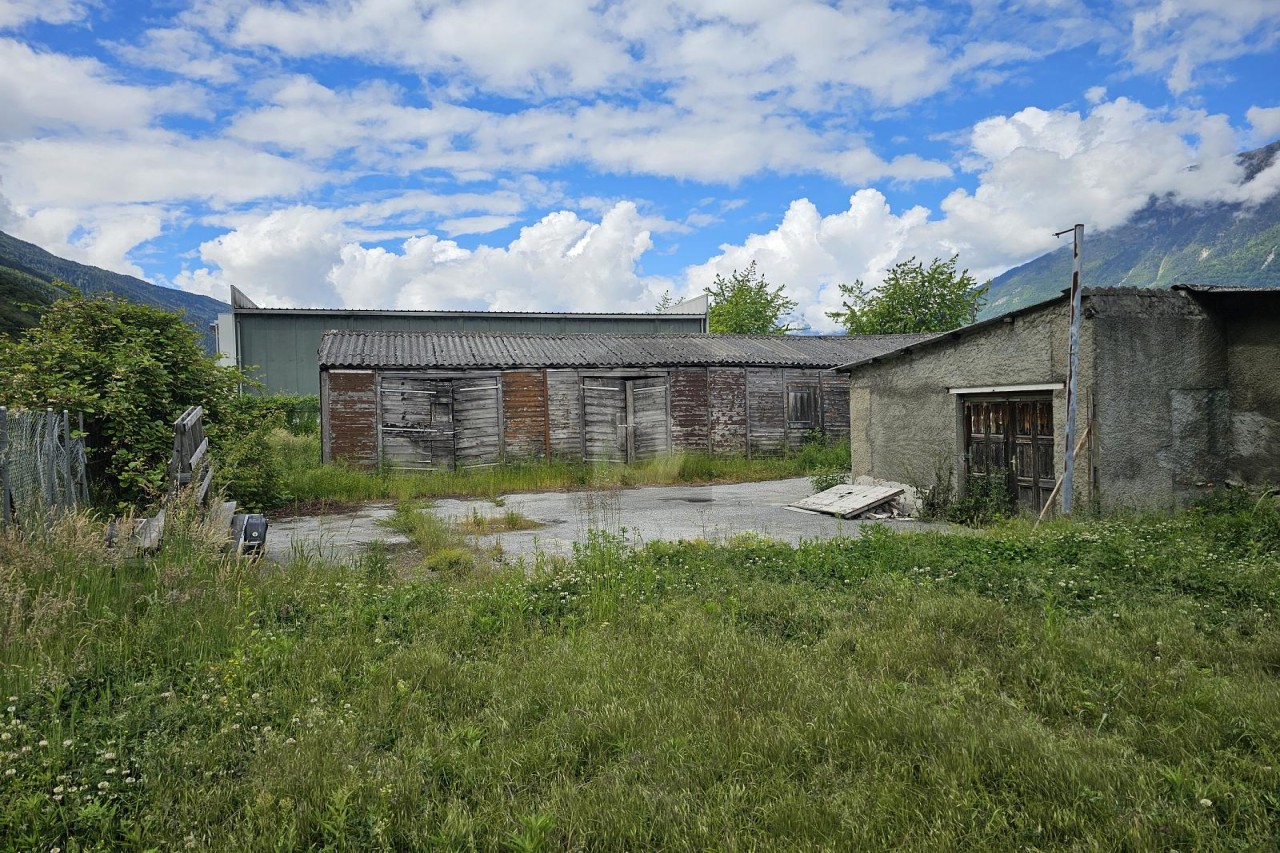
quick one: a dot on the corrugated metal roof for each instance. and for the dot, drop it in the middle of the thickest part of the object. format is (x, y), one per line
(355, 348)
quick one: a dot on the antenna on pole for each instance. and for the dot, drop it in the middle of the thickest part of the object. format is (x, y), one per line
(1073, 362)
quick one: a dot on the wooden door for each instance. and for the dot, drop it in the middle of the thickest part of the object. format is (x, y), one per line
(1032, 466)
(477, 406)
(415, 422)
(1012, 439)
(648, 418)
(604, 419)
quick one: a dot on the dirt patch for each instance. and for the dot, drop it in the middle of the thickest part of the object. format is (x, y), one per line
(313, 508)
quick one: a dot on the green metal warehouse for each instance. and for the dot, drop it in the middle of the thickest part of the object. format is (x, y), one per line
(278, 346)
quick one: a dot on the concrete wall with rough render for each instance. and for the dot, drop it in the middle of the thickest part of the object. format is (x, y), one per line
(905, 423)
(1163, 424)
(1185, 390)
(1253, 369)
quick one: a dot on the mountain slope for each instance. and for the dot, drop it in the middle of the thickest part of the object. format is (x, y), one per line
(1165, 243)
(27, 273)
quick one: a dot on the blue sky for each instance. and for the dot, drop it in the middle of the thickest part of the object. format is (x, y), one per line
(591, 156)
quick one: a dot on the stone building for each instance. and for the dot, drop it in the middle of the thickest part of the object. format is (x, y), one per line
(444, 400)
(1179, 390)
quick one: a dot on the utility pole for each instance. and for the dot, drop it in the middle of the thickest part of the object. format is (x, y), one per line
(1073, 363)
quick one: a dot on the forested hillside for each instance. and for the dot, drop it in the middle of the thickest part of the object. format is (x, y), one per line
(1166, 243)
(27, 283)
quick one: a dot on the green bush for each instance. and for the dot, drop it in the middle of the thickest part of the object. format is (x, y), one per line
(985, 500)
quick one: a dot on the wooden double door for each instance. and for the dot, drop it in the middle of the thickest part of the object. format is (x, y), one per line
(624, 419)
(439, 422)
(1012, 438)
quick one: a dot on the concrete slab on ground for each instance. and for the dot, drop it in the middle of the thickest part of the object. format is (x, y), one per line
(713, 513)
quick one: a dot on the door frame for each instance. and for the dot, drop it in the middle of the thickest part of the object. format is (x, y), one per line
(1009, 397)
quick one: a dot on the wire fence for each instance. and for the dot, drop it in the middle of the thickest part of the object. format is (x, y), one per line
(42, 465)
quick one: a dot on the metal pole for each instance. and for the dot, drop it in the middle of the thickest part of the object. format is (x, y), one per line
(82, 460)
(51, 463)
(6, 500)
(68, 488)
(1072, 371)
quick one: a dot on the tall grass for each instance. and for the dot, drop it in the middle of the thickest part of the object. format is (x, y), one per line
(1094, 685)
(307, 480)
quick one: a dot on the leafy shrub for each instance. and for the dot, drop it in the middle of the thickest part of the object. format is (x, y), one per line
(985, 500)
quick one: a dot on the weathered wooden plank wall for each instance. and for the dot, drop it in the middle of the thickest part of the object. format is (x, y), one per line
(524, 412)
(835, 402)
(690, 424)
(477, 415)
(351, 411)
(649, 416)
(604, 404)
(564, 414)
(727, 392)
(803, 404)
(766, 403)
(440, 419)
(415, 417)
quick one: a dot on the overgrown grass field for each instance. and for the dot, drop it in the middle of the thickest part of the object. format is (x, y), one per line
(306, 481)
(1094, 685)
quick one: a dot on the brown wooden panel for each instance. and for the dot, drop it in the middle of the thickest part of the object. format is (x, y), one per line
(564, 407)
(604, 409)
(835, 402)
(690, 426)
(351, 417)
(415, 419)
(802, 407)
(477, 421)
(524, 412)
(727, 391)
(766, 411)
(648, 417)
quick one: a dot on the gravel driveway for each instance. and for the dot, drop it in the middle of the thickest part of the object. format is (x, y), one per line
(642, 514)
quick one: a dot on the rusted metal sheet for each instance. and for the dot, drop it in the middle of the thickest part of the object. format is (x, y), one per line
(564, 414)
(524, 414)
(766, 405)
(727, 390)
(690, 426)
(845, 501)
(351, 428)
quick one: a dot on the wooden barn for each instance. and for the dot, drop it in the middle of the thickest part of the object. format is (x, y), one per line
(457, 399)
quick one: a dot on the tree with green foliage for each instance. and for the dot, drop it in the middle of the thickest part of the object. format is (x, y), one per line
(744, 304)
(913, 298)
(131, 370)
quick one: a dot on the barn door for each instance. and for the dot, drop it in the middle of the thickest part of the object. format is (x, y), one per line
(625, 419)
(1012, 439)
(477, 436)
(604, 419)
(647, 418)
(1033, 452)
(415, 422)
